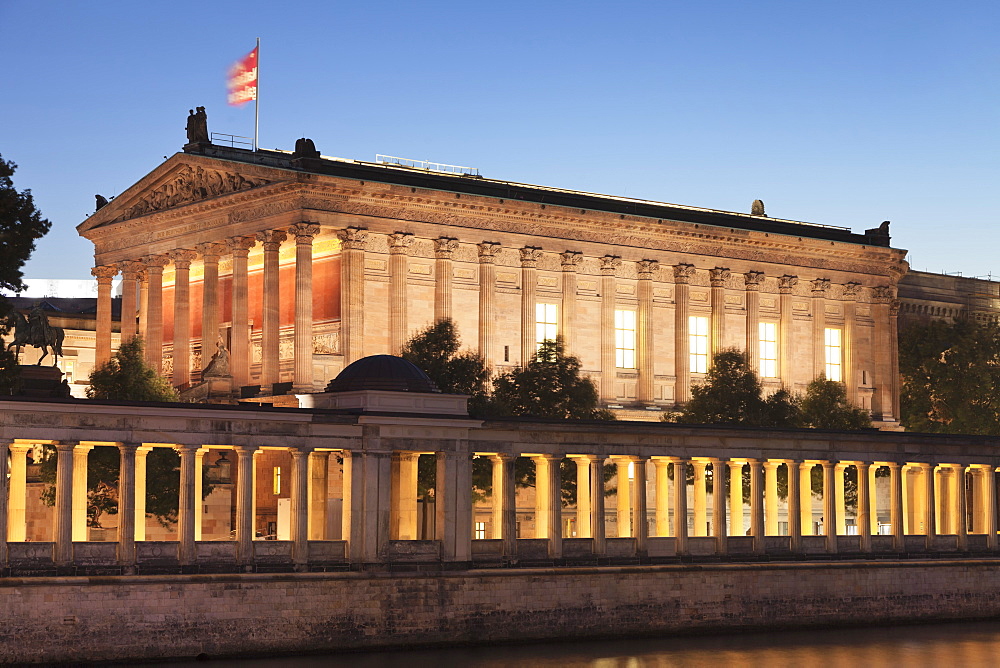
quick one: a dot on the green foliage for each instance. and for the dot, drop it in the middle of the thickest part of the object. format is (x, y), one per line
(825, 406)
(549, 386)
(435, 350)
(127, 377)
(20, 225)
(950, 377)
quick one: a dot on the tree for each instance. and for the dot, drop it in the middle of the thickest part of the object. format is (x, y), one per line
(21, 224)
(127, 377)
(825, 406)
(549, 386)
(436, 351)
(950, 376)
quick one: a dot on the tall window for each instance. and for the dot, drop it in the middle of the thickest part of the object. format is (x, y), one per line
(625, 339)
(546, 323)
(768, 350)
(834, 354)
(698, 341)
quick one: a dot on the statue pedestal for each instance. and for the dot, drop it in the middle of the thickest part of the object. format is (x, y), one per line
(41, 381)
(211, 390)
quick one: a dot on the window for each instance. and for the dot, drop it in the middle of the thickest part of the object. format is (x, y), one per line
(625, 339)
(834, 352)
(277, 480)
(546, 323)
(480, 530)
(698, 340)
(768, 350)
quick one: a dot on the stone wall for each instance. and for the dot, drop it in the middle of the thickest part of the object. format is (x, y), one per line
(118, 618)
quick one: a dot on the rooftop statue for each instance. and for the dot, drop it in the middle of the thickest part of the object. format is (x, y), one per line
(757, 208)
(218, 366)
(197, 126)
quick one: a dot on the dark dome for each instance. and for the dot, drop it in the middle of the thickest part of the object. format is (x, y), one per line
(382, 372)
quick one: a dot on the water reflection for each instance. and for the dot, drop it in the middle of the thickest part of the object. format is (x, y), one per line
(968, 645)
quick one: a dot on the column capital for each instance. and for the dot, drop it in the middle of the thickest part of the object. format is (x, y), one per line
(66, 446)
(895, 466)
(570, 260)
(752, 280)
(548, 457)
(271, 239)
(130, 269)
(185, 447)
(304, 232)
(155, 262)
(820, 287)
(104, 273)
(646, 269)
(894, 308)
(241, 245)
(246, 449)
(126, 446)
(488, 251)
(718, 277)
(353, 238)
(683, 273)
(771, 464)
(503, 456)
(851, 290)
(210, 252)
(400, 242)
(444, 247)
(787, 283)
(530, 255)
(609, 264)
(182, 257)
(883, 294)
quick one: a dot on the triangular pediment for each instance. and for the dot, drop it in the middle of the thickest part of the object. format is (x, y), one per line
(175, 183)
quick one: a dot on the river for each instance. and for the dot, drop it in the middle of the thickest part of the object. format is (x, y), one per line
(959, 644)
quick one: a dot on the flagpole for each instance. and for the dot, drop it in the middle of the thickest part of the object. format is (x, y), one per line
(256, 102)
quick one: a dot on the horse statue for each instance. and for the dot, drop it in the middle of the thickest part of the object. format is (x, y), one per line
(36, 331)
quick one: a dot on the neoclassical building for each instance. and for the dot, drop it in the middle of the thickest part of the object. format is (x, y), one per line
(302, 264)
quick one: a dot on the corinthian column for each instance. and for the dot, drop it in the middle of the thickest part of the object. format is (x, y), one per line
(352, 292)
(444, 249)
(819, 291)
(882, 298)
(785, 286)
(609, 264)
(154, 320)
(894, 357)
(644, 330)
(130, 292)
(487, 299)
(849, 378)
(567, 321)
(304, 234)
(682, 343)
(209, 299)
(182, 315)
(399, 249)
(271, 321)
(240, 248)
(102, 352)
(751, 282)
(718, 277)
(529, 283)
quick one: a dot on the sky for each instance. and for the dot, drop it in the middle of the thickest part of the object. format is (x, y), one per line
(842, 113)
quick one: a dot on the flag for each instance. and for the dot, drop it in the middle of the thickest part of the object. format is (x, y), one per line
(243, 80)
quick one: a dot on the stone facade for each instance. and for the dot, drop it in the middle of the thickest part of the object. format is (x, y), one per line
(926, 296)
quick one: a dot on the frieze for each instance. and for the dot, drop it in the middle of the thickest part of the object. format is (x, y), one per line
(375, 264)
(244, 214)
(467, 274)
(548, 282)
(625, 289)
(506, 277)
(326, 344)
(424, 269)
(190, 184)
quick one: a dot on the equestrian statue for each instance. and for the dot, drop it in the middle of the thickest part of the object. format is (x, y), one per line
(36, 331)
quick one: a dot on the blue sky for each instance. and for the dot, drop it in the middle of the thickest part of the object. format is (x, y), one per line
(842, 113)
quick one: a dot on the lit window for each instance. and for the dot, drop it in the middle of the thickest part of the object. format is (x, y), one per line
(546, 323)
(834, 352)
(277, 480)
(480, 530)
(768, 350)
(68, 368)
(698, 339)
(625, 339)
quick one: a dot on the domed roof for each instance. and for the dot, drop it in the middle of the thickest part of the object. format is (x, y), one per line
(382, 372)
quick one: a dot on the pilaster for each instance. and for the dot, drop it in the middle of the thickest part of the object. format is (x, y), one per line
(444, 272)
(850, 325)
(488, 252)
(751, 285)
(682, 341)
(399, 251)
(530, 256)
(820, 287)
(609, 265)
(786, 284)
(569, 261)
(718, 278)
(645, 347)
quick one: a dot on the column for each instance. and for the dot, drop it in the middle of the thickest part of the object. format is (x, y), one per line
(182, 316)
(894, 357)
(829, 507)
(990, 507)
(718, 278)
(896, 506)
(771, 497)
(883, 401)
(186, 502)
(199, 506)
(154, 319)
(300, 507)
(794, 506)
(271, 312)
(961, 508)
(244, 503)
(63, 533)
(143, 280)
(102, 352)
(319, 467)
(444, 273)
(850, 319)
(504, 503)
(645, 348)
(662, 496)
(404, 496)
(786, 284)
(640, 525)
(302, 376)
(680, 506)
(609, 265)
(370, 504)
(140, 491)
(488, 252)
(352, 292)
(4, 487)
(453, 504)
(719, 506)
(623, 499)
(17, 527)
(240, 340)
(751, 282)
(399, 250)
(872, 501)
(80, 453)
(570, 260)
(209, 299)
(864, 507)
(700, 510)
(930, 504)
(838, 481)
(130, 287)
(529, 284)
(597, 530)
(806, 498)
(548, 502)
(582, 497)
(682, 343)
(736, 527)
(819, 290)
(756, 506)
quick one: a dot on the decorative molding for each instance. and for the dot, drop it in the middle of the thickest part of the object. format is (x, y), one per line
(400, 242)
(182, 257)
(851, 290)
(271, 239)
(820, 286)
(240, 244)
(304, 233)
(326, 344)
(104, 273)
(752, 280)
(190, 184)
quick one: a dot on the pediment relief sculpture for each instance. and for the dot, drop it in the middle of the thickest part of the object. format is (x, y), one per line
(190, 184)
